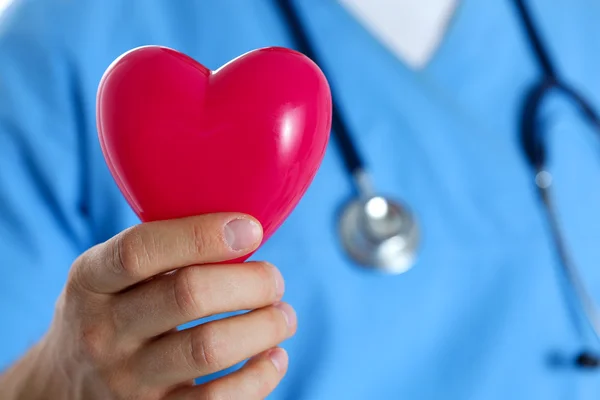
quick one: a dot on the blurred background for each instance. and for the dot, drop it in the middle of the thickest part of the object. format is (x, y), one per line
(447, 102)
(4, 4)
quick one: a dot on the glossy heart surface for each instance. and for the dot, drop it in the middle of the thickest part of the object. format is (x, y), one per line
(182, 140)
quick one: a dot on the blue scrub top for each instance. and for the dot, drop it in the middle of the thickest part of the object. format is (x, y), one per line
(482, 311)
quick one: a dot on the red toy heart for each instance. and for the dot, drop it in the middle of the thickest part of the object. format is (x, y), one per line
(182, 140)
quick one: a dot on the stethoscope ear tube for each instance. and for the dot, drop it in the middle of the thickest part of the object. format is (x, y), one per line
(531, 136)
(532, 143)
(584, 309)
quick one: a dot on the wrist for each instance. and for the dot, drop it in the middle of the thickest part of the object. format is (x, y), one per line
(30, 377)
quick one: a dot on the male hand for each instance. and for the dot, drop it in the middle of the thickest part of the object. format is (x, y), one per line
(114, 334)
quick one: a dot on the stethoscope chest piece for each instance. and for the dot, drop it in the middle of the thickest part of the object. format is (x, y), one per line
(380, 234)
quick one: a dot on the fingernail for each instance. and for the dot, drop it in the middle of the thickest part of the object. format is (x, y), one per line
(288, 312)
(242, 233)
(278, 358)
(279, 283)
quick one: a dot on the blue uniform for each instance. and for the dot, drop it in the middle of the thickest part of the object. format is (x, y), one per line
(482, 310)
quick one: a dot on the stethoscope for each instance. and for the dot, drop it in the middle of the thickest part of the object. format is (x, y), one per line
(380, 233)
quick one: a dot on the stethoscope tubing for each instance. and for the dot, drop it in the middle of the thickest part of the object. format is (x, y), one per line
(532, 145)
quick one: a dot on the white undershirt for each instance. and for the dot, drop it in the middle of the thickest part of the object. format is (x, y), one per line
(411, 29)
(4, 4)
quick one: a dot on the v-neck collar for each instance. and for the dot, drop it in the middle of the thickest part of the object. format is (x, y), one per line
(411, 31)
(367, 50)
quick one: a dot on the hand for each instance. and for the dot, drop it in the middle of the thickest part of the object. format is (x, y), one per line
(114, 333)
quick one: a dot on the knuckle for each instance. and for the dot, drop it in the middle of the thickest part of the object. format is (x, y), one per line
(205, 349)
(119, 383)
(72, 303)
(72, 293)
(93, 342)
(77, 268)
(188, 301)
(128, 253)
(80, 268)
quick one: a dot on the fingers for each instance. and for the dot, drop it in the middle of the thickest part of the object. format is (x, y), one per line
(214, 346)
(254, 381)
(195, 292)
(153, 248)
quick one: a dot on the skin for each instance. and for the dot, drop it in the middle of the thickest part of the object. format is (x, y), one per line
(114, 332)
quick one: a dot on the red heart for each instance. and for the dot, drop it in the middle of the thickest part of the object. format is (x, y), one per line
(182, 140)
